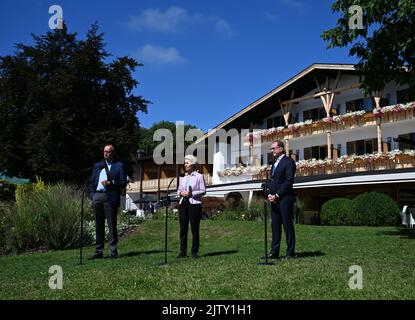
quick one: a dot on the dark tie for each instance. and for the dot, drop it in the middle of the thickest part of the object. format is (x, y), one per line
(274, 167)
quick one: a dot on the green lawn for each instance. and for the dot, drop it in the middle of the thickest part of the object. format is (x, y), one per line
(227, 268)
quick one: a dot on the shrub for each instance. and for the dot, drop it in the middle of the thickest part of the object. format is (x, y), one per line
(336, 212)
(374, 209)
(160, 214)
(125, 222)
(212, 205)
(48, 217)
(5, 213)
(7, 190)
(242, 213)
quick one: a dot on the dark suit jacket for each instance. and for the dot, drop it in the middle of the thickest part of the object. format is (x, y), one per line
(281, 182)
(117, 175)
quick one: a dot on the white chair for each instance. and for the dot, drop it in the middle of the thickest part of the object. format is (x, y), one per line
(411, 216)
(404, 216)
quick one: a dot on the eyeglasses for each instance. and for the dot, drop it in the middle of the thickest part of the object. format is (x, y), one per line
(276, 148)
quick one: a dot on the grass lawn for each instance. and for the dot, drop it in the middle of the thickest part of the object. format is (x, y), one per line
(227, 268)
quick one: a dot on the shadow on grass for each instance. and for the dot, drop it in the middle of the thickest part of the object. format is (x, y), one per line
(219, 253)
(139, 253)
(403, 232)
(307, 254)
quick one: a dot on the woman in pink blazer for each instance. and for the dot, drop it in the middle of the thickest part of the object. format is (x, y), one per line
(191, 189)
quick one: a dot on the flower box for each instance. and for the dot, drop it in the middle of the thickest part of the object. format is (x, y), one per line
(404, 161)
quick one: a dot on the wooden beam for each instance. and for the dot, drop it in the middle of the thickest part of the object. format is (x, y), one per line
(337, 79)
(318, 84)
(285, 112)
(377, 98)
(329, 142)
(377, 102)
(287, 147)
(317, 95)
(331, 101)
(379, 134)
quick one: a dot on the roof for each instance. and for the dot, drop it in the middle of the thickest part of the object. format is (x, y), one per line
(304, 87)
(14, 180)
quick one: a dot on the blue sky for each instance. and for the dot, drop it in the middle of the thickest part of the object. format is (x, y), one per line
(203, 60)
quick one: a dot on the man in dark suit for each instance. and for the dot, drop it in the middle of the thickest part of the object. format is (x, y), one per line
(281, 196)
(107, 179)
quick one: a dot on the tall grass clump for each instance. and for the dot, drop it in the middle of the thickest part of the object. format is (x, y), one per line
(47, 216)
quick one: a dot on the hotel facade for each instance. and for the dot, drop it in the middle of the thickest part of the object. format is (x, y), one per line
(344, 143)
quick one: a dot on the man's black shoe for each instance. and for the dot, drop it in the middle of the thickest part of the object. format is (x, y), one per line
(195, 256)
(273, 256)
(98, 255)
(181, 255)
(114, 256)
(288, 257)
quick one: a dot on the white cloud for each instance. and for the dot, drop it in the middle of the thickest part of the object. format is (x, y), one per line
(175, 19)
(270, 16)
(168, 21)
(293, 3)
(223, 27)
(159, 56)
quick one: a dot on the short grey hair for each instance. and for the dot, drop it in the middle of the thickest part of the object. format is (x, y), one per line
(192, 159)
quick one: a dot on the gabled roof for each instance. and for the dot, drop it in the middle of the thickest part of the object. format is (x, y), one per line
(311, 71)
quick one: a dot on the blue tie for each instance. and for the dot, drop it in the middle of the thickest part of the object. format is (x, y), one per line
(274, 167)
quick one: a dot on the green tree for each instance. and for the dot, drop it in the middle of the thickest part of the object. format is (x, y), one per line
(146, 136)
(61, 100)
(385, 46)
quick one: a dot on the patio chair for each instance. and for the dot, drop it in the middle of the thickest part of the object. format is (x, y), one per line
(411, 216)
(407, 217)
(404, 216)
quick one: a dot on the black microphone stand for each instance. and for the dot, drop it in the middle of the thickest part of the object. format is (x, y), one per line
(265, 188)
(165, 227)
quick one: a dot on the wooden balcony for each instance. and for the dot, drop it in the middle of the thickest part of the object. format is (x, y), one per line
(351, 164)
(337, 123)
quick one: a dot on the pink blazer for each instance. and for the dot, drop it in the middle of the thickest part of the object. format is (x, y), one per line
(196, 184)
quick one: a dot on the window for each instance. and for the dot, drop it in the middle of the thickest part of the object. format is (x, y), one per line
(354, 105)
(361, 147)
(275, 122)
(314, 114)
(405, 96)
(270, 157)
(406, 141)
(316, 152)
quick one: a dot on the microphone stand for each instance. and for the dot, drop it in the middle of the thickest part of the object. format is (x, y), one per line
(265, 187)
(165, 227)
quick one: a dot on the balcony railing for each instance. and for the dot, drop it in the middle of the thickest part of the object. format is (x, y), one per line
(351, 120)
(152, 185)
(369, 162)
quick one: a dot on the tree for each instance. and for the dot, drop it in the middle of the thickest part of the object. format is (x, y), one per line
(385, 45)
(146, 136)
(61, 100)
